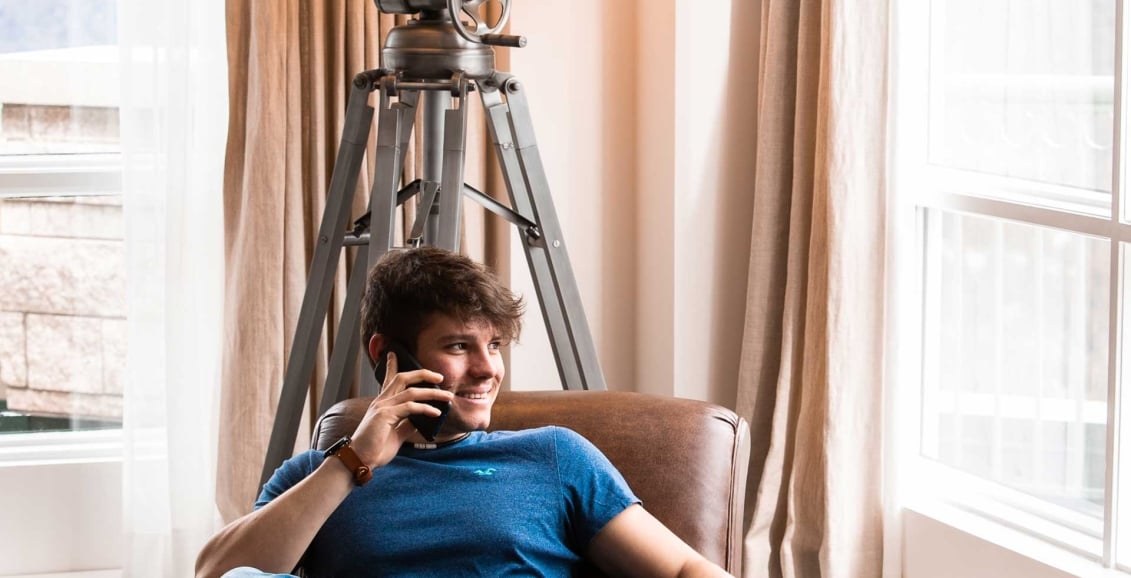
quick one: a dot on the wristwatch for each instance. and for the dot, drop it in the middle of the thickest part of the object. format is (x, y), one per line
(344, 451)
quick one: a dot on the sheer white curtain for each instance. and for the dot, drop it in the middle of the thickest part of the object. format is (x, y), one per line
(173, 123)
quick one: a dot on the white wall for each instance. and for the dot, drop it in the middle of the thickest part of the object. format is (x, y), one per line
(714, 86)
(656, 158)
(645, 129)
(578, 74)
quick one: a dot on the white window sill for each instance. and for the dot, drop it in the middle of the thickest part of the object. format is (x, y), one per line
(1010, 544)
(61, 497)
(44, 448)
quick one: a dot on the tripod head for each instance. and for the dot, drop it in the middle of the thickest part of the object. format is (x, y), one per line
(479, 31)
(434, 46)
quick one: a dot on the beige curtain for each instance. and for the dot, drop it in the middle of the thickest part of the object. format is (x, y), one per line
(290, 66)
(811, 365)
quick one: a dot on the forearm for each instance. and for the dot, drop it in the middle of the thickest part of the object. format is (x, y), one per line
(274, 537)
(636, 544)
(701, 567)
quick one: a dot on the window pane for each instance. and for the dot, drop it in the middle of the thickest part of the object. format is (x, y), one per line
(65, 55)
(62, 313)
(1025, 90)
(1015, 359)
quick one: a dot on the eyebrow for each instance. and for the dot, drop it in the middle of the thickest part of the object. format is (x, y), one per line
(464, 337)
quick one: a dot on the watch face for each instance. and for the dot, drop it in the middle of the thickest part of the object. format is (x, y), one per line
(338, 445)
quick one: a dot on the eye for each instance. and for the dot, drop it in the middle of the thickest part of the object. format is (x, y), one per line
(495, 345)
(458, 346)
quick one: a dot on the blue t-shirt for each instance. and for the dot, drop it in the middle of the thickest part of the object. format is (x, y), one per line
(521, 503)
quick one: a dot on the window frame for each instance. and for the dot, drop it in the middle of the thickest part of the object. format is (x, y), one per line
(60, 175)
(922, 484)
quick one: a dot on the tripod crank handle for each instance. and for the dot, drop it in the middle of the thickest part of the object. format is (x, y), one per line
(479, 30)
(504, 40)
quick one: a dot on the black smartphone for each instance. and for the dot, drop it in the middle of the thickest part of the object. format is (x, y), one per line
(427, 425)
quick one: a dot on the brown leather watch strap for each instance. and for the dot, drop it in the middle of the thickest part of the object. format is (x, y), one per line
(361, 472)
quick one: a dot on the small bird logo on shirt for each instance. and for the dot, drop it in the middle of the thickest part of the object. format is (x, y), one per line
(486, 472)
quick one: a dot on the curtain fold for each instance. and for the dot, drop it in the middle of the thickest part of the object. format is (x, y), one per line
(173, 118)
(811, 365)
(290, 66)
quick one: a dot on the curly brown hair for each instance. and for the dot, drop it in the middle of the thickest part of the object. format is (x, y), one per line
(407, 287)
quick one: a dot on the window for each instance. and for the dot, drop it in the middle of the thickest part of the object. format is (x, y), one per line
(1010, 153)
(62, 275)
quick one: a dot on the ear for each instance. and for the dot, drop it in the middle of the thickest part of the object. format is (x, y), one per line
(377, 343)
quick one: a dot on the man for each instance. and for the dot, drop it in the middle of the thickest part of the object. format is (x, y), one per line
(535, 502)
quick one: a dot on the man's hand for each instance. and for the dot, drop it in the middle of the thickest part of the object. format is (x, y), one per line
(385, 425)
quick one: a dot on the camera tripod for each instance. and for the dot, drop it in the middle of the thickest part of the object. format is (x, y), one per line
(433, 63)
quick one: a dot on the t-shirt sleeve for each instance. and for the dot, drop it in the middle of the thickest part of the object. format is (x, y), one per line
(595, 492)
(287, 475)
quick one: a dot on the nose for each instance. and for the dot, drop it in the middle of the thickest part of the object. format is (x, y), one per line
(483, 362)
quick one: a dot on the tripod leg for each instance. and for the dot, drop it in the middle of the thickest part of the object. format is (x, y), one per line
(432, 164)
(316, 299)
(451, 185)
(393, 124)
(343, 358)
(513, 135)
(408, 100)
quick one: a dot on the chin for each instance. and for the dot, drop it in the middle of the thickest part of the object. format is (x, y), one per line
(462, 424)
(480, 425)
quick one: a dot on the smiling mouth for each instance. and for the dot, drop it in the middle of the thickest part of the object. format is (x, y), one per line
(474, 395)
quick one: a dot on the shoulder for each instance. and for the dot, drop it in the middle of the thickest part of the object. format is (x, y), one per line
(567, 437)
(566, 447)
(550, 434)
(556, 442)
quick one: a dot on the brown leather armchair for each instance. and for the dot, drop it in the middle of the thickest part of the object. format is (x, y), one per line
(685, 459)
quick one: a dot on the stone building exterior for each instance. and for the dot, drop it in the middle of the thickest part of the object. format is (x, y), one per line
(62, 283)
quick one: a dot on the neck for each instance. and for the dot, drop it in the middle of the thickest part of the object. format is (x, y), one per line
(418, 441)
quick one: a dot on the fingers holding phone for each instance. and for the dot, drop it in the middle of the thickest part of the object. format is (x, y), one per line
(410, 398)
(400, 364)
(397, 371)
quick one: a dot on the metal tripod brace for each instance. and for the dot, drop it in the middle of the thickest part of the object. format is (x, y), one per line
(436, 62)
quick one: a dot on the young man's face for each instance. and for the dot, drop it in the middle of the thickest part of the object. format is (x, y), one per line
(468, 356)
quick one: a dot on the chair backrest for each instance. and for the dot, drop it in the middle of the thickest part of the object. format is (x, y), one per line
(686, 459)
